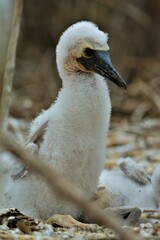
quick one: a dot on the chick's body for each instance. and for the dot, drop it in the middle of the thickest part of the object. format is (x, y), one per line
(74, 142)
(134, 187)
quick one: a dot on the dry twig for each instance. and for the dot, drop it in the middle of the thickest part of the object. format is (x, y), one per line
(63, 187)
(150, 93)
(10, 65)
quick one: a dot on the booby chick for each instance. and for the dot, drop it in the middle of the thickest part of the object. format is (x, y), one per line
(131, 186)
(71, 135)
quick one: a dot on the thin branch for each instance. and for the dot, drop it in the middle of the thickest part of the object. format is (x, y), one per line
(150, 93)
(10, 64)
(63, 187)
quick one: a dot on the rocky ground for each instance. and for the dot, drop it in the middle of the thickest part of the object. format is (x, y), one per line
(15, 225)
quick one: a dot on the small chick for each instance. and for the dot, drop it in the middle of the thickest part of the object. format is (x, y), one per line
(131, 186)
(71, 135)
(156, 185)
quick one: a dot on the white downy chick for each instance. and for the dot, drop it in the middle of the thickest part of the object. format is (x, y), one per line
(132, 187)
(156, 185)
(71, 134)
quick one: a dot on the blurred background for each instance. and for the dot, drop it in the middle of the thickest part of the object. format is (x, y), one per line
(134, 39)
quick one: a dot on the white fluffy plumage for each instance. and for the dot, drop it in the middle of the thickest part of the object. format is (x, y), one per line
(74, 138)
(131, 186)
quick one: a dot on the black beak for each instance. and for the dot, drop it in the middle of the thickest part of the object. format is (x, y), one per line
(100, 62)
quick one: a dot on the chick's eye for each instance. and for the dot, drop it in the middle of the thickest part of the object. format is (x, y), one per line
(88, 53)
